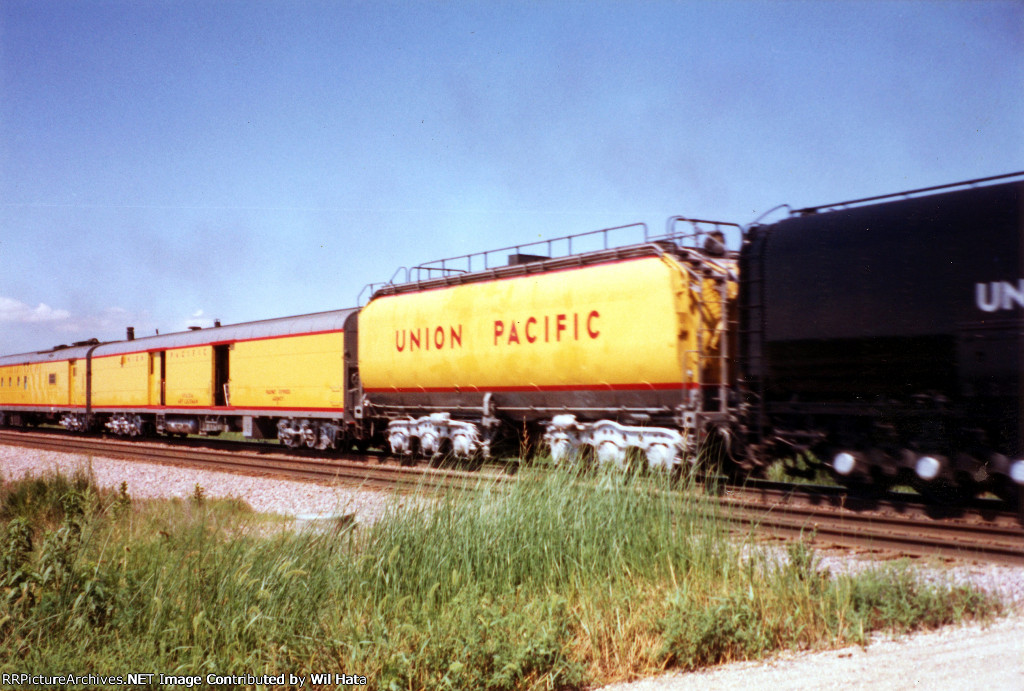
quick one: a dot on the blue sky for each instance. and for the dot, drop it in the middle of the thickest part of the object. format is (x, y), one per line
(167, 163)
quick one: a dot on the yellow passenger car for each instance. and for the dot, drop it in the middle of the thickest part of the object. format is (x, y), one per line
(43, 386)
(280, 378)
(297, 372)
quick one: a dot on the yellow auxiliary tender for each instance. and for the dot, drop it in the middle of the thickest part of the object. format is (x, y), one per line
(614, 349)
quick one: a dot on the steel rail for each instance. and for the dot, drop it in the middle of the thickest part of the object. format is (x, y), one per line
(885, 525)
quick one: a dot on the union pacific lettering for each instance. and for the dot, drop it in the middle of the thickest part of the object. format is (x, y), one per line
(548, 328)
(429, 337)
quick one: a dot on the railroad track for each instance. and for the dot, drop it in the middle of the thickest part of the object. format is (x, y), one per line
(369, 471)
(886, 525)
(825, 516)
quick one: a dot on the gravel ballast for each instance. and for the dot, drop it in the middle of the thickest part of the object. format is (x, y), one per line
(967, 657)
(153, 480)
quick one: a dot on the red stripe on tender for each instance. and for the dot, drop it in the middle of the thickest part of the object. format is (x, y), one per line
(670, 386)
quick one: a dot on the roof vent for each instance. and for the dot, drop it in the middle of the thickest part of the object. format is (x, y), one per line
(517, 259)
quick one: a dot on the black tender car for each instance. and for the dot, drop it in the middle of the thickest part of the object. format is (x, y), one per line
(886, 335)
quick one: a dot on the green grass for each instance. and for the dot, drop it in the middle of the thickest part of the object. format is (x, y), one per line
(557, 582)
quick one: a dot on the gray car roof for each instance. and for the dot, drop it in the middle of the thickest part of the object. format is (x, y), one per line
(54, 355)
(267, 328)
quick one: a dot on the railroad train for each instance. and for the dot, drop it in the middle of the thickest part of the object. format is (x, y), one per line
(881, 336)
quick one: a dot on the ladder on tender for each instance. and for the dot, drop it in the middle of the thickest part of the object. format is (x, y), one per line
(708, 369)
(750, 356)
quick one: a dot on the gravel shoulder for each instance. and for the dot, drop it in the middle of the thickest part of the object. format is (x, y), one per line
(154, 480)
(958, 658)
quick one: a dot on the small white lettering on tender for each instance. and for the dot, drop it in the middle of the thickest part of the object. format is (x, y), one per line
(999, 295)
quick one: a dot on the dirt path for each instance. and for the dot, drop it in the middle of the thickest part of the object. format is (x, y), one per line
(952, 659)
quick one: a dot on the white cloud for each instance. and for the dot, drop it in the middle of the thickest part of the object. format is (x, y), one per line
(18, 312)
(28, 329)
(111, 319)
